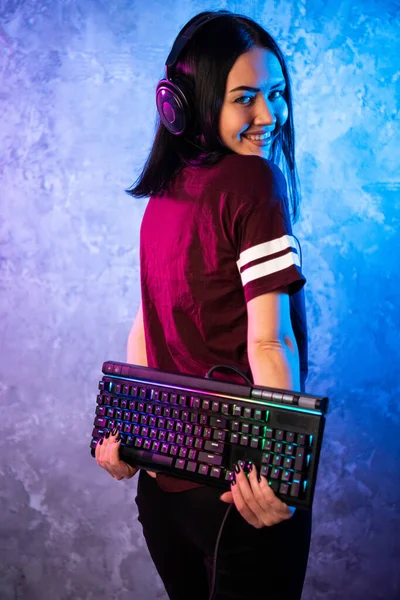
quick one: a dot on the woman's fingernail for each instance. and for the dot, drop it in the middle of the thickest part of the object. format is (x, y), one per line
(250, 467)
(237, 468)
(233, 480)
(101, 441)
(259, 479)
(117, 439)
(107, 435)
(114, 431)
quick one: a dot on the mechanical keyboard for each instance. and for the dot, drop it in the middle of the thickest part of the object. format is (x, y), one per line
(197, 428)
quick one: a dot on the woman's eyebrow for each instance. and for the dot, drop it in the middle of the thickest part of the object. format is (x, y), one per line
(247, 88)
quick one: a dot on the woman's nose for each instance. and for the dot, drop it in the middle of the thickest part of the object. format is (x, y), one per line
(265, 114)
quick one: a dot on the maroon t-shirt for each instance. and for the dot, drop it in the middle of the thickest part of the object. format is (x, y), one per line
(220, 236)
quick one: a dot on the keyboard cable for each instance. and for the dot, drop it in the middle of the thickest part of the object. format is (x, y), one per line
(215, 557)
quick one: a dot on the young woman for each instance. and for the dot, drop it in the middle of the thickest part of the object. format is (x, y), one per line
(220, 284)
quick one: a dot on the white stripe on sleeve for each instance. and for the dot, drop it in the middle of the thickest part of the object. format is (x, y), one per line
(265, 249)
(269, 267)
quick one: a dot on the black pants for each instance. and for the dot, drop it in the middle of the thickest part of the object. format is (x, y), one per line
(253, 564)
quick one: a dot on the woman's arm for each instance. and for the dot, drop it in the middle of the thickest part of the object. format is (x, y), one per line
(271, 344)
(136, 348)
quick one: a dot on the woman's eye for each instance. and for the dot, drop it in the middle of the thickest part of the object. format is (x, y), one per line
(276, 94)
(245, 100)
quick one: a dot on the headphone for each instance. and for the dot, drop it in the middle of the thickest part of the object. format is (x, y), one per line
(175, 103)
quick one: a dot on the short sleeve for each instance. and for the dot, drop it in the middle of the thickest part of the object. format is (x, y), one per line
(267, 252)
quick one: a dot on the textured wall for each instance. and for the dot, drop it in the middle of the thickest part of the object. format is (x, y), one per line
(76, 119)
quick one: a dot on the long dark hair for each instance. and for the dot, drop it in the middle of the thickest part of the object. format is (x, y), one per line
(204, 65)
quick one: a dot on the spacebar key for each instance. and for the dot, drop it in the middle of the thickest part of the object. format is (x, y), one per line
(153, 457)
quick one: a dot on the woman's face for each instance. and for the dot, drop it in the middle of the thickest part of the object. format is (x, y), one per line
(254, 108)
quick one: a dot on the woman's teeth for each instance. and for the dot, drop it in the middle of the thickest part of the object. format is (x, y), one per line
(256, 138)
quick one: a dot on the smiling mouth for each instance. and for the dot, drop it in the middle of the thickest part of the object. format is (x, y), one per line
(259, 137)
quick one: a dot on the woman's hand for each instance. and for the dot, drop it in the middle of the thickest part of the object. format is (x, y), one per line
(256, 501)
(107, 456)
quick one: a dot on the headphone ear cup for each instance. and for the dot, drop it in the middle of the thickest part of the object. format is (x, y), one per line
(174, 106)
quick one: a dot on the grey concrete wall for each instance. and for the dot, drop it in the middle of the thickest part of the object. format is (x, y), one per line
(77, 81)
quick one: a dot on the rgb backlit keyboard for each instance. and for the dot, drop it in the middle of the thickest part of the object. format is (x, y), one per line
(198, 428)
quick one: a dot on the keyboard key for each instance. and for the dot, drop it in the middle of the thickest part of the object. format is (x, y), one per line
(265, 470)
(234, 438)
(152, 432)
(214, 446)
(266, 458)
(147, 444)
(194, 417)
(219, 435)
(279, 434)
(141, 407)
(115, 402)
(179, 426)
(149, 408)
(143, 419)
(136, 430)
(219, 422)
(290, 437)
(191, 466)
(266, 445)
(278, 447)
(255, 430)
(284, 488)
(213, 459)
(101, 411)
(247, 413)
(180, 463)
(164, 397)
(173, 398)
(299, 460)
(155, 446)
(110, 412)
(268, 432)
(189, 440)
(244, 440)
(129, 441)
(184, 416)
(161, 423)
(180, 439)
(207, 433)
(245, 428)
(225, 409)
(132, 405)
(154, 395)
(295, 488)
(192, 454)
(162, 435)
(198, 443)
(135, 417)
(203, 420)
(195, 402)
(188, 429)
(182, 401)
(289, 450)
(215, 406)
(197, 430)
(229, 475)
(216, 472)
(183, 452)
(237, 410)
(203, 469)
(274, 485)
(126, 415)
(254, 442)
(287, 463)
(257, 415)
(286, 476)
(173, 450)
(205, 405)
(167, 411)
(138, 442)
(164, 448)
(275, 473)
(142, 393)
(175, 413)
(277, 460)
(127, 428)
(301, 439)
(100, 422)
(235, 426)
(171, 437)
(169, 425)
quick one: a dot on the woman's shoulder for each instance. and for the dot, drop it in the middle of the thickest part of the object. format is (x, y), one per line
(249, 174)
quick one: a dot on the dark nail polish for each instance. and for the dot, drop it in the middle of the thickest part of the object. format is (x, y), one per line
(117, 439)
(250, 467)
(237, 468)
(259, 479)
(233, 480)
(107, 435)
(101, 441)
(114, 431)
